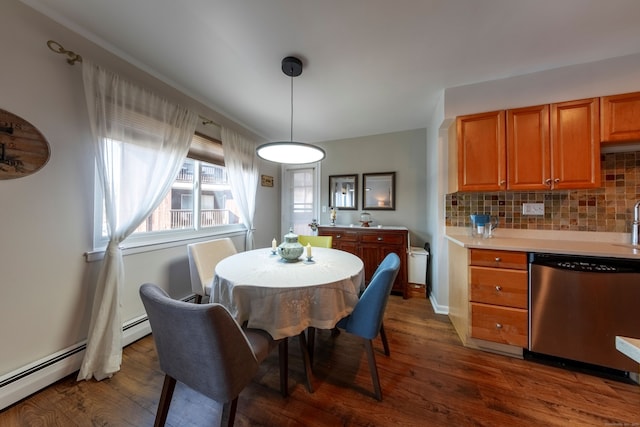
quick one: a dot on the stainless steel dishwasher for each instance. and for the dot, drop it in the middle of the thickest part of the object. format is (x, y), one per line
(578, 304)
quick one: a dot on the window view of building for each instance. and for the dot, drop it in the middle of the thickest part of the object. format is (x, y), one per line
(199, 198)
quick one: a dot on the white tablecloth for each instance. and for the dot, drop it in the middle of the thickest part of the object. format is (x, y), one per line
(285, 298)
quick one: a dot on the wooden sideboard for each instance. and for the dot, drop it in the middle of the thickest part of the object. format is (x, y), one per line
(372, 245)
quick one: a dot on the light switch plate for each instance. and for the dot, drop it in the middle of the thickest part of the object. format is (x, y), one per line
(533, 209)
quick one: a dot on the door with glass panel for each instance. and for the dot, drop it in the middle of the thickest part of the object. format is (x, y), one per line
(300, 198)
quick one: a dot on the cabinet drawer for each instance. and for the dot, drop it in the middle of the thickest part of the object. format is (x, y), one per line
(504, 325)
(383, 238)
(499, 259)
(499, 286)
(350, 236)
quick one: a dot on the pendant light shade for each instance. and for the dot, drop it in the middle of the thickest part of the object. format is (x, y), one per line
(290, 152)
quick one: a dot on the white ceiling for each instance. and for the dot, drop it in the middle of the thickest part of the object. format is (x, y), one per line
(370, 66)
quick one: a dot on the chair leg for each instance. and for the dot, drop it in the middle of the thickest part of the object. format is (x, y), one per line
(229, 413)
(283, 352)
(165, 400)
(373, 368)
(385, 343)
(305, 358)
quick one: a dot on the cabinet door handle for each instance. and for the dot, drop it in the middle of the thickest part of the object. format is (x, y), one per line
(379, 239)
(557, 180)
(498, 259)
(547, 182)
(498, 288)
(498, 326)
(338, 236)
(503, 182)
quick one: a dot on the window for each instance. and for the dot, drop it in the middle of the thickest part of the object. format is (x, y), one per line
(200, 200)
(300, 200)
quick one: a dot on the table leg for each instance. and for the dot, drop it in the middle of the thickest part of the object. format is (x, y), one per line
(283, 350)
(305, 359)
(311, 340)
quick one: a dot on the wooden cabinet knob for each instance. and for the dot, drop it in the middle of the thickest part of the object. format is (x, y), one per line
(498, 326)
(498, 259)
(498, 288)
(379, 239)
(338, 236)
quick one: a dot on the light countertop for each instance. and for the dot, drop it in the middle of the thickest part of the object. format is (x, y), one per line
(615, 245)
(629, 347)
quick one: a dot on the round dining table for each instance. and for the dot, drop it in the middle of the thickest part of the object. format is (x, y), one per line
(285, 298)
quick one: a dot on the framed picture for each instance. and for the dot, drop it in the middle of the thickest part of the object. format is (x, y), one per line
(379, 191)
(266, 181)
(343, 192)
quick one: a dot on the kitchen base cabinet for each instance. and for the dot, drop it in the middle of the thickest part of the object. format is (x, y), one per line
(372, 245)
(498, 296)
(488, 299)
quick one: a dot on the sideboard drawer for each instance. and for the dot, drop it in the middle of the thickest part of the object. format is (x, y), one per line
(350, 236)
(383, 238)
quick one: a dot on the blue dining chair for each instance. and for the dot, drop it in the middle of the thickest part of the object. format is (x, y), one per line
(203, 347)
(365, 320)
(386, 263)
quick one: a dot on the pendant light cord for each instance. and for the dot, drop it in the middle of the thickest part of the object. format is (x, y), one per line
(291, 135)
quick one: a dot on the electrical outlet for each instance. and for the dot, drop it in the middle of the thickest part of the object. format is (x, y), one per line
(533, 209)
(324, 209)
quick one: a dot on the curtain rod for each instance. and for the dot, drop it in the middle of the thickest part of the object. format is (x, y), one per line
(73, 57)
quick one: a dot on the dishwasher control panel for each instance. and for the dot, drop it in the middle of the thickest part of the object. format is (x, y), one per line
(585, 263)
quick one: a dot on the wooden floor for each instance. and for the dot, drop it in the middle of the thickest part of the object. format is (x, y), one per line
(430, 379)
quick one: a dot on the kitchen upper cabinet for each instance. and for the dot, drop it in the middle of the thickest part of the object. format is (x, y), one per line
(542, 147)
(554, 146)
(481, 152)
(620, 118)
(575, 144)
(528, 148)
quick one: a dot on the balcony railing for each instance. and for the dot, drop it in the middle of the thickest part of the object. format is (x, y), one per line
(208, 175)
(183, 218)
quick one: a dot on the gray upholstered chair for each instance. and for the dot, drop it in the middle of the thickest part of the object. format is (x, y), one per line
(203, 347)
(203, 258)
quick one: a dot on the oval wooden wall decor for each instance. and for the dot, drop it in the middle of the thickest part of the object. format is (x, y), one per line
(23, 149)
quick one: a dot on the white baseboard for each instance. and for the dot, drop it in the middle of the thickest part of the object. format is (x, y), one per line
(31, 378)
(438, 309)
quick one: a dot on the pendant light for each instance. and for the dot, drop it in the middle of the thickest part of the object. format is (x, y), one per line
(290, 152)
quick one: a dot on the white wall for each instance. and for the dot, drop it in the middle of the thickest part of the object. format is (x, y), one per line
(401, 152)
(606, 77)
(46, 287)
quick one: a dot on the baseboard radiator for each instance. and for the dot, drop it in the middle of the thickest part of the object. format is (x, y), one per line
(35, 376)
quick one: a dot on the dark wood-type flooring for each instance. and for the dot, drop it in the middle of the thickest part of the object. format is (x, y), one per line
(430, 379)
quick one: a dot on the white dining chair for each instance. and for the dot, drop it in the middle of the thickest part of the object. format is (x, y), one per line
(203, 258)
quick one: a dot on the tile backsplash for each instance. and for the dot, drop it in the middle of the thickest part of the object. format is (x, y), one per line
(608, 208)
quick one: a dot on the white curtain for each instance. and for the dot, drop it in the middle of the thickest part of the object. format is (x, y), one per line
(241, 162)
(141, 141)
